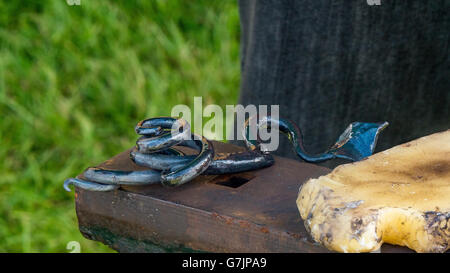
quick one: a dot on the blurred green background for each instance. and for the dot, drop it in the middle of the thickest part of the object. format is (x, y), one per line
(74, 81)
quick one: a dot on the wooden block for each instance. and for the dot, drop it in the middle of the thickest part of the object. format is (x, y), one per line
(245, 212)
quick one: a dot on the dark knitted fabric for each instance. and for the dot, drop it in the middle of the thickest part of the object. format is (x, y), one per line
(328, 63)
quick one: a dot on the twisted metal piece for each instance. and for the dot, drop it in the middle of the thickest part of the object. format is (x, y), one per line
(170, 167)
(355, 143)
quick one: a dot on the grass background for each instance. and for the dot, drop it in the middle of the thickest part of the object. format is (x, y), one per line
(74, 81)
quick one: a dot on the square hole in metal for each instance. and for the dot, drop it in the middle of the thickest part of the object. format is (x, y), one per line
(233, 181)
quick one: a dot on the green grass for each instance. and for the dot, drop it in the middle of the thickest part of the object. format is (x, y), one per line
(74, 81)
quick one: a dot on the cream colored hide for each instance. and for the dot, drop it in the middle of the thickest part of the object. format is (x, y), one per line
(399, 196)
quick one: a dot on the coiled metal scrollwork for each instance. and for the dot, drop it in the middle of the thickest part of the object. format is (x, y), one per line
(154, 149)
(170, 167)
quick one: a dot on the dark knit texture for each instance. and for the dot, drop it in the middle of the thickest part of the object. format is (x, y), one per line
(328, 63)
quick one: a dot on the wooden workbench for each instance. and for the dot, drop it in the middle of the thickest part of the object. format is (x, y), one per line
(245, 212)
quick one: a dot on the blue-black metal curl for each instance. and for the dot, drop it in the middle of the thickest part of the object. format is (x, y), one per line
(355, 143)
(170, 167)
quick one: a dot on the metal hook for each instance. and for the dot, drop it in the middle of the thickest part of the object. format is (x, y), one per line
(355, 143)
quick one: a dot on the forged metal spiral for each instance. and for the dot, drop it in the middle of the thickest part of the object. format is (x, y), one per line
(154, 149)
(169, 166)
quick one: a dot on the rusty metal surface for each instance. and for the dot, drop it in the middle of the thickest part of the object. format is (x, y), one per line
(209, 214)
